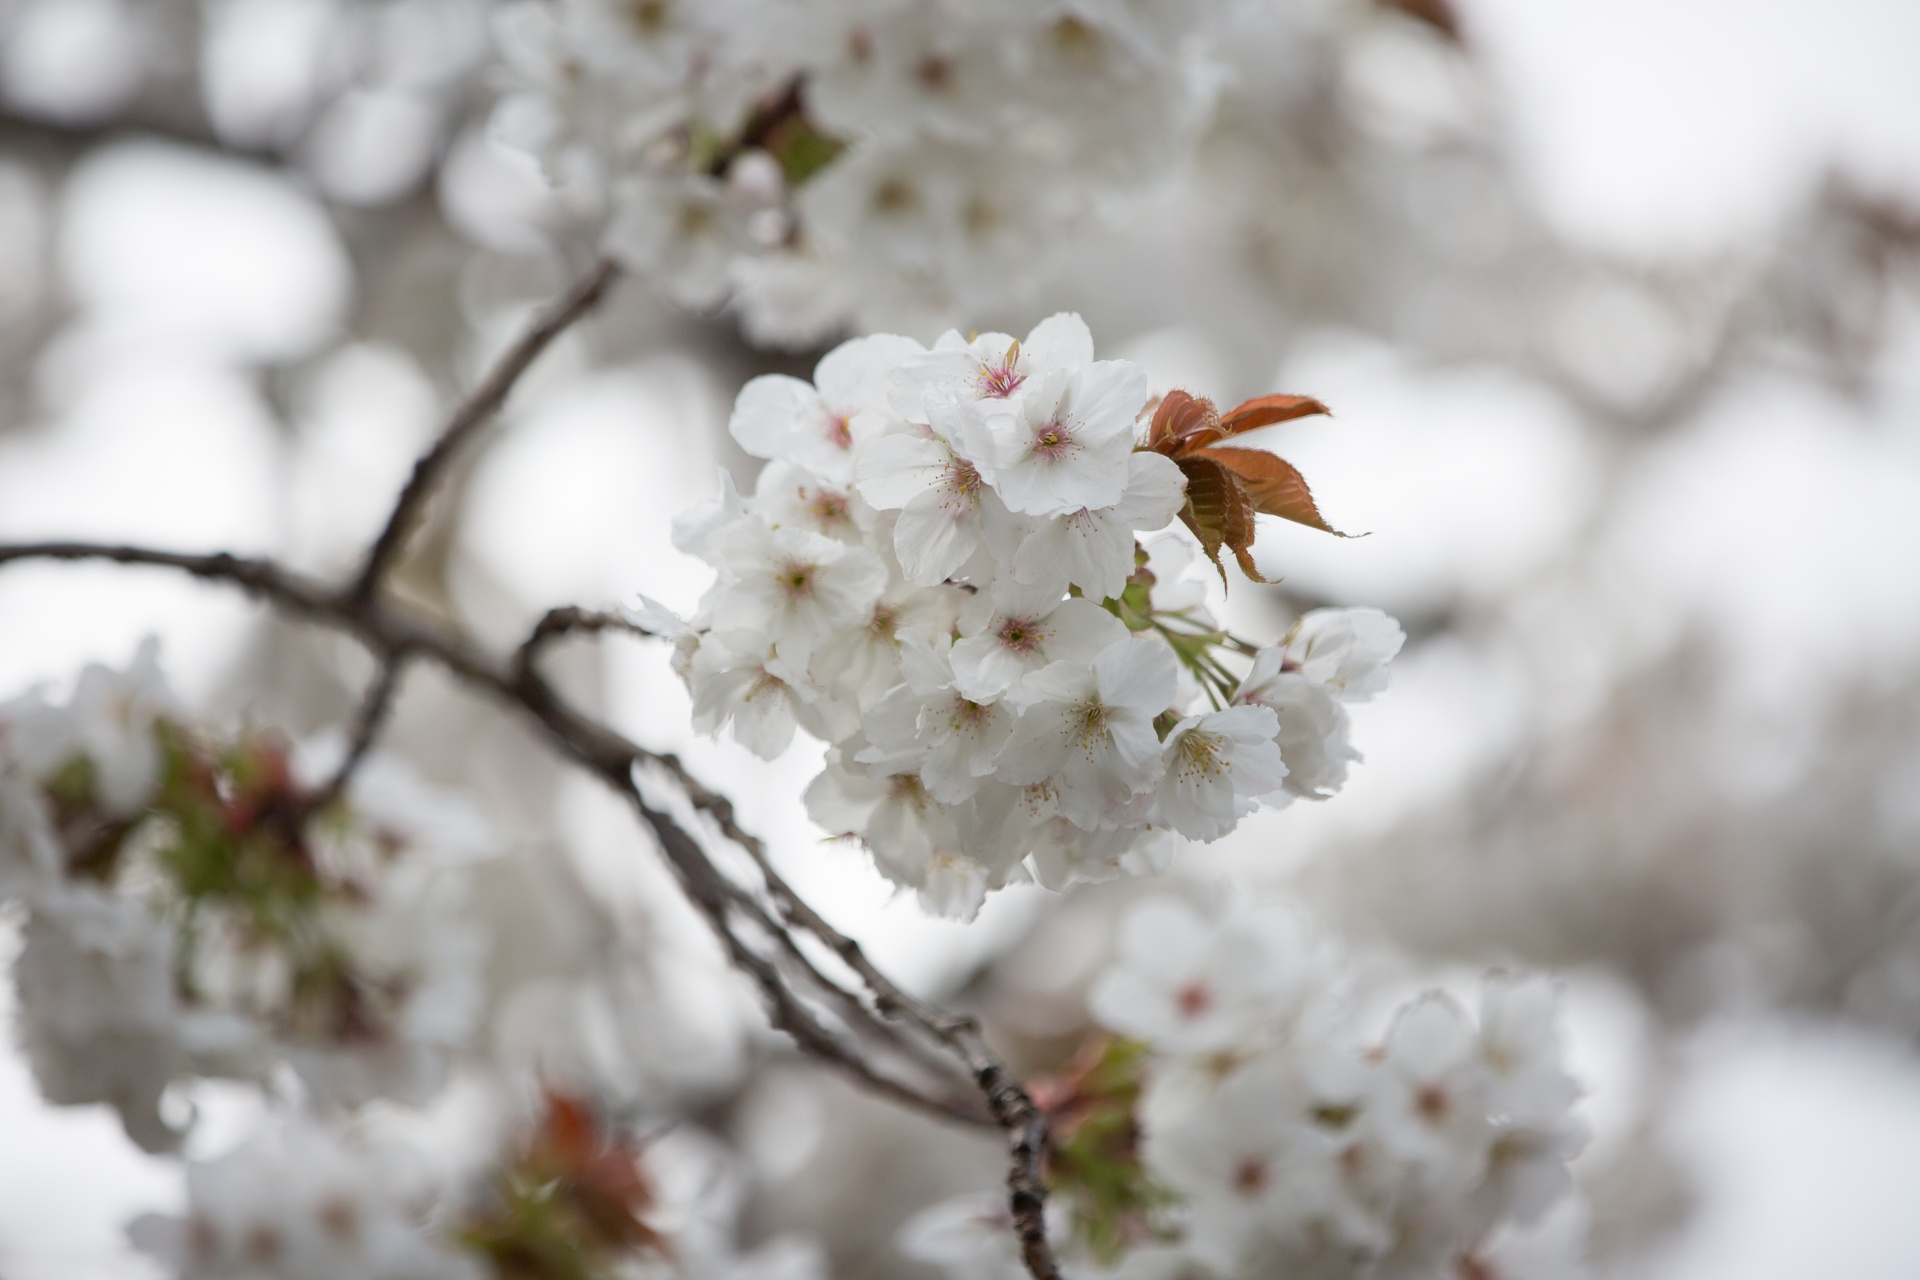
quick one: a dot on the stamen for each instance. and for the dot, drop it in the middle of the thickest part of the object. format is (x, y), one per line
(1053, 441)
(1022, 635)
(998, 381)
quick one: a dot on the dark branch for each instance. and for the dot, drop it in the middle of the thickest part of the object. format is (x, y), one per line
(566, 620)
(897, 1019)
(367, 724)
(392, 636)
(470, 415)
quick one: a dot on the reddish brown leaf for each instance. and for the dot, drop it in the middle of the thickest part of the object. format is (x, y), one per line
(1218, 509)
(1264, 411)
(1181, 418)
(1272, 485)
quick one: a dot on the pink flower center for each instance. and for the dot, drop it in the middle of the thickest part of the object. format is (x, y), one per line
(838, 430)
(998, 381)
(1193, 999)
(1053, 441)
(765, 684)
(796, 578)
(967, 716)
(1022, 635)
(962, 478)
(828, 508)
(1250, 1176)
(1089, 725)
(1432, 1103)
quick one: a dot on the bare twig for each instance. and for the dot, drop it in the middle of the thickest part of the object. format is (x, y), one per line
(470, 415)
(372, 716)
(568, 620)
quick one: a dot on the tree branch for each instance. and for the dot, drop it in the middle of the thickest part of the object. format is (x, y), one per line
(374, 708)
(470, 415)
(897, 1018)
(566, 620)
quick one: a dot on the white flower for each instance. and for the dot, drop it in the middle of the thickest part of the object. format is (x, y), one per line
(1313, 724)
(790, 497)
(914, 72)
(751, 689)
(1192, 984)
(697, 529)
(1433, 1096)
(684, 230)
(968, 1237)
(656, 619)
(1089, 731)
(859, 666)
(1063, 855)
(1250, 1159)
(1012, 631)
(990, 367)
(1217, 766)
(299, 1203)
(1063, 445)
(816, 425)
(916, 842)
(30, 856)
(927, 726)
(1532, 1096)
(1520, 1041)
(109, 721)
(1345, 649)
(792, 588)
(98, 1017)
(1093, 550)
(946, 509)
(36, 737)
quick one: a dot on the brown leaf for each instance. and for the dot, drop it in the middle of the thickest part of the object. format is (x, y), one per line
(1181, 419)
(1218, 510)
(1272, 485)
(1264, 411)
(1245, 556)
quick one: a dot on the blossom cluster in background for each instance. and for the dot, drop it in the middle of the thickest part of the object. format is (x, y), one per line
(939, 575)
(192, 912)
(1236, 1127)
(565, 1196)
(864, 161)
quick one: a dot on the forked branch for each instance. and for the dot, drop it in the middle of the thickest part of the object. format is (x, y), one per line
(957, 1077)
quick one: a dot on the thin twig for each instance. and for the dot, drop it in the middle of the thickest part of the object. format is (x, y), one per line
(1012, 1107)
(568, 620)
(470, 415)
(367, 723)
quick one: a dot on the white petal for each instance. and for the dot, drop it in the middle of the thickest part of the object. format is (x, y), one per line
(895, 469)
(1137, 673)
(1061, 341)
(933, 539)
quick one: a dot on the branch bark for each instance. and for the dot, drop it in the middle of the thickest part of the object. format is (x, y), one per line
(470, 415)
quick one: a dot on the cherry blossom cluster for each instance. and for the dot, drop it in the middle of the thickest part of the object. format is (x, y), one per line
(563, 1197)
(1239, 1129)
(939, 575)
(884, 162)
(191, 912)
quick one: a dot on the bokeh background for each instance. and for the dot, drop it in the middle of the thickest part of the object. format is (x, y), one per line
(1617, 303)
